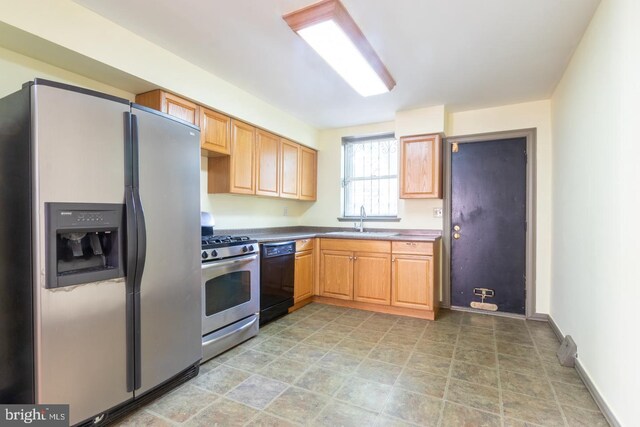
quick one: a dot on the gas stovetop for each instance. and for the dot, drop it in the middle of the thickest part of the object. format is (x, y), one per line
(220, 247)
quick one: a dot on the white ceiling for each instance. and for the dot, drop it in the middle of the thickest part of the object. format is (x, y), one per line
(465, 54)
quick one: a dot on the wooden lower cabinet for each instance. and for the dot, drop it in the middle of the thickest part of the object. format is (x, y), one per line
(372, 278)
(412, 285)
(303, 277)
(336, 274)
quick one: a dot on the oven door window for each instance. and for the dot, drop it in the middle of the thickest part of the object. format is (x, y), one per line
(227, 291)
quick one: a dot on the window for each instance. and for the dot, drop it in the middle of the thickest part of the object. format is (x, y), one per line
(370, 175)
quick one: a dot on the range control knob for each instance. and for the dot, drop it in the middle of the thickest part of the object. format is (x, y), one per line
(214, 253)
(204, 255)
(245, 249)
(251, 248)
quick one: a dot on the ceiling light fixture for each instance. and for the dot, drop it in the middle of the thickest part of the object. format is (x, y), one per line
(329, 29)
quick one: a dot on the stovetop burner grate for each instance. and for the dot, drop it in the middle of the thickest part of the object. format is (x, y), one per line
(220, 240)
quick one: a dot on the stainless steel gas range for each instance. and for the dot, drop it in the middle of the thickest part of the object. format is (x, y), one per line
(230, 291)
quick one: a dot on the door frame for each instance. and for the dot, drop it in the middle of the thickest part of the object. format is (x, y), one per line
(530, 242)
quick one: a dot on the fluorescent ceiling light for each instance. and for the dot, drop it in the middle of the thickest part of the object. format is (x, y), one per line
(329, 29)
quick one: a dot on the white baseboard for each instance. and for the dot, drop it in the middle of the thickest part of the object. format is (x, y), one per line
(597, 397)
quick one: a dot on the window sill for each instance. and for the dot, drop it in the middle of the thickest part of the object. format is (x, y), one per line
(369, 219)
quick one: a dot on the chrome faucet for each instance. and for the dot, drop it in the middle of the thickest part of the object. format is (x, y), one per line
(363, 215)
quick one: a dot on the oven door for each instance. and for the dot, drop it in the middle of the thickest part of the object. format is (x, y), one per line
(230, 291)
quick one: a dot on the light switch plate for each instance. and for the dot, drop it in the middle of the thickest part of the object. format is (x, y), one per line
(437, 212)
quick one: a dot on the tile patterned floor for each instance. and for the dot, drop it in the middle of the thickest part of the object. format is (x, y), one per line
(332, 366)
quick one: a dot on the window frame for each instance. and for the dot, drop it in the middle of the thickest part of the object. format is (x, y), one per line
(344, 180)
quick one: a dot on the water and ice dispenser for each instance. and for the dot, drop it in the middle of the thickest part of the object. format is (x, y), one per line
(85, 243)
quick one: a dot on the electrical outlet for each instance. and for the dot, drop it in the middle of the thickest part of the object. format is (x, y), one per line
(437, 212)
(285, 212)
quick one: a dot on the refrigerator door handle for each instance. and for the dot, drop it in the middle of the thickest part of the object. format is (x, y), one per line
(141, 252)
(132, 250)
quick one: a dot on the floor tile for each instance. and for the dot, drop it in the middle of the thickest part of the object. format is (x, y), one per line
(579, 396)
(474, 374)
(527, 408)
(208, 366)
(257, 391)
(450, 316)
(474, 395)
(283, 369)
(476, 357)
(341, 414)
(366, 335)
(297, 405)
(476, 331)
(338, 328)
(250, 360)
(446, 336)
(354, 347)
(430, 363)
(413, 407)
(142, 418)
(295, 333)
(311, 324)
(182, 403)
(390, 354)
(267, 420)
(475, 342)
(221, 379)
(321, 381)
(365, 394)
(350, 321)
(516, 350)
(274, 345)
(229, 354)
(409, 331)
(520, 365)
(405, 342)
(272, 329)
(305, 354)
(557, 372)
(578, 417)
(479, 320)
(377, 371)
(422, 382)
(520, 339)
(435, 348)
(387, 421)
(339, 362)
(223, 412)
(324, 339)
(456, 415)
(532, 385)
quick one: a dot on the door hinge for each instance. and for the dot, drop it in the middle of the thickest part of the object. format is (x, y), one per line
(454, 147)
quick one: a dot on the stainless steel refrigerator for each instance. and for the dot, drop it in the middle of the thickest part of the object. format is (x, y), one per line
(100, 297)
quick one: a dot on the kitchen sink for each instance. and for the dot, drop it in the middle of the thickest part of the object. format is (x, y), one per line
(362, 234)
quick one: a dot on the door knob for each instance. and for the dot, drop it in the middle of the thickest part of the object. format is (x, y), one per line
(456, 236)
(456, 227)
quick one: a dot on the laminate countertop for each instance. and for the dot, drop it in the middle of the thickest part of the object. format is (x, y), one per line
(299, 233)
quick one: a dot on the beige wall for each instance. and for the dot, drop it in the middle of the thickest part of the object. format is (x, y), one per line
(521, 116)
(595, 288)
(413, 213)
(16, 69)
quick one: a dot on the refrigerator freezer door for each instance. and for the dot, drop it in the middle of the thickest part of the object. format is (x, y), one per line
(81, 354)
(170, 305)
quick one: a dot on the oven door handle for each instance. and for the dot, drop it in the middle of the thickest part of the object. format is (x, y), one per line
(235, 331)
(218, 264)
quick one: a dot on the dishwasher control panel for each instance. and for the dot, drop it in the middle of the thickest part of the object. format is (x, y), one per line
(278, 249)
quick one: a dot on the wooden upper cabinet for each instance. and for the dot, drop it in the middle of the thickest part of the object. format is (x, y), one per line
(421, 167)
(171, 104)
(290, 170)
(308, 173)
(243, 158)
(267, 159)
(215, 132)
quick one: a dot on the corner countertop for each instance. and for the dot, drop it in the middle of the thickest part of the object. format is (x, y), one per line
(281, 234)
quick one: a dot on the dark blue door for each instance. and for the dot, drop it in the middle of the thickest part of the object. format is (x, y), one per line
(488, 220)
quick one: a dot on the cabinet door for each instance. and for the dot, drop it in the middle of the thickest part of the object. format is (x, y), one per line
(303, 282)
(420, 167)
(242, 158)
(215, 129)
(308, 173)
(267, 171)
(336, 274)
(412, 285)
(290, 186)
(181, 108)
(372, 278)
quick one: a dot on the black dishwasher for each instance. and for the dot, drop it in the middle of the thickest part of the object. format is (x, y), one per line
(277, 263)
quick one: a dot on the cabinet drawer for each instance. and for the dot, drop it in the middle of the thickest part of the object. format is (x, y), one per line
(421, 248)
(356, 245)
(304, 245)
